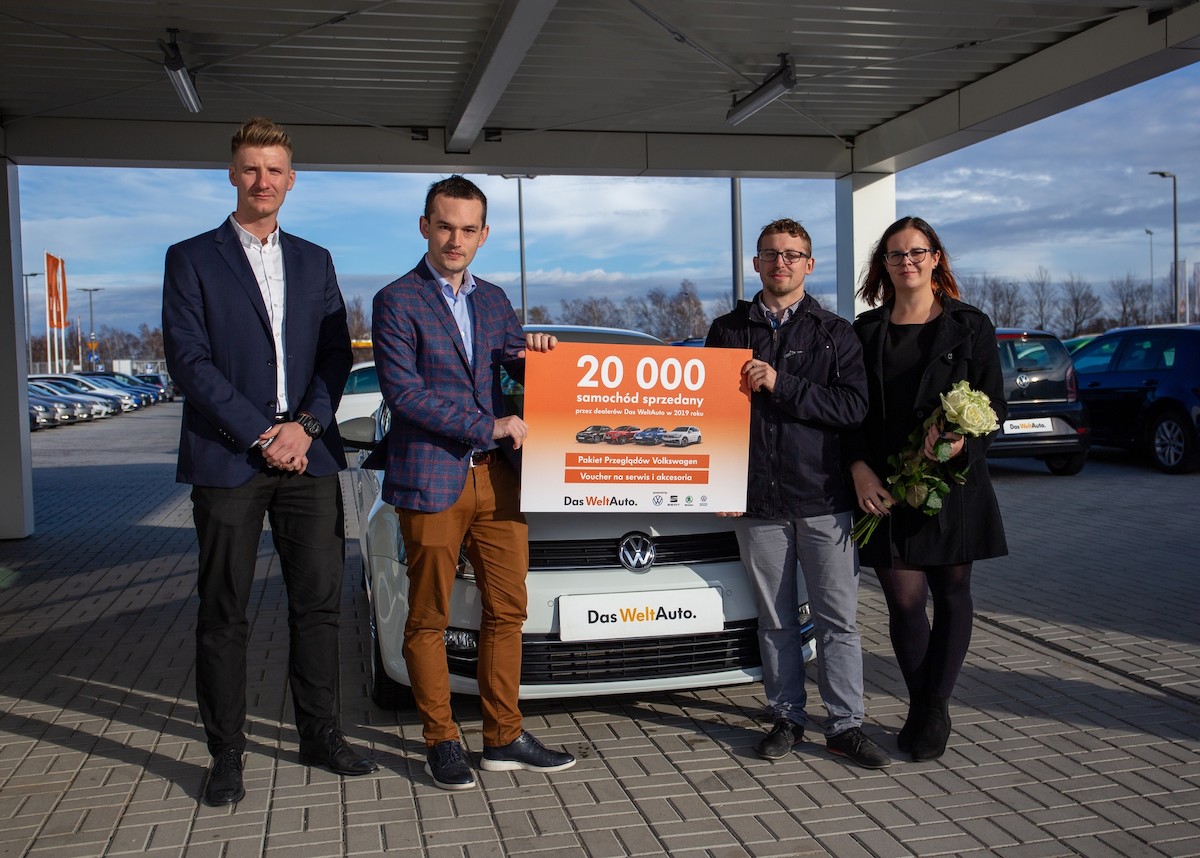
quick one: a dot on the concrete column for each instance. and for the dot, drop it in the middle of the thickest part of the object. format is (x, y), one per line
(16, 471)
(865, 207)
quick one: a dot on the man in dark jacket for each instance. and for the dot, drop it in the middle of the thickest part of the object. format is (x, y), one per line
(255, 334)
(808, 387)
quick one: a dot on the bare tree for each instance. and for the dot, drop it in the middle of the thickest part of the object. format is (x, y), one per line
(970, 287)
(596, 312)
(1006, 302)
(1132, 302)
(720, 305)
(151, 345)
(638, 316)
(1041, 294)
(1079, 307)
(357, 319)
(539, 315)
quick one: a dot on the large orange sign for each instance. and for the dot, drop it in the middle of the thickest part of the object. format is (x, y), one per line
(615, 428)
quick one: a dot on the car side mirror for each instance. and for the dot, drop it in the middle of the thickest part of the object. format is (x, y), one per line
(358, 433)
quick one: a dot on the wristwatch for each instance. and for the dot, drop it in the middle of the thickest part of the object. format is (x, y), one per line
(310, 424)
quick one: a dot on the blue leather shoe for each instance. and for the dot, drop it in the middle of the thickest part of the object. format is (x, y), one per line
(446, 763)
(525, 752)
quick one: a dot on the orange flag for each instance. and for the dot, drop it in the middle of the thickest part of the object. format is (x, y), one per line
(56, 291)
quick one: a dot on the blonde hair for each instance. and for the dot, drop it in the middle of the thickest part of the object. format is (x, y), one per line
(261, 131)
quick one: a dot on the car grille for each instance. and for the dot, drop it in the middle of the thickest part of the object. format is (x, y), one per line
(548, 660)
(600, 553)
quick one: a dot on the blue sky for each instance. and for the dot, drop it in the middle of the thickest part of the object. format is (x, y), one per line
(1070, 193)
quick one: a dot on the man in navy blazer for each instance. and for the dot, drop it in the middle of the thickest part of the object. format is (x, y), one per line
(440, 337)
(255, 333)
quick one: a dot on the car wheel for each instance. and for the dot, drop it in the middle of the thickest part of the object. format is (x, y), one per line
(1066, 465)
(1173, 443)
(386, 692)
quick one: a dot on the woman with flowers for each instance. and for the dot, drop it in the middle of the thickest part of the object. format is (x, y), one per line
(919, 468)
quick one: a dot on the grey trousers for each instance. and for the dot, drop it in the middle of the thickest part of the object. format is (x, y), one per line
(776, 553)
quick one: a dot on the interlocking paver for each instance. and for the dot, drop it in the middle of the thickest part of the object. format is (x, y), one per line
(1077, 717)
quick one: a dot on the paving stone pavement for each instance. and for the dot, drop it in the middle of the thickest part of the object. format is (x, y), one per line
(1076, 722)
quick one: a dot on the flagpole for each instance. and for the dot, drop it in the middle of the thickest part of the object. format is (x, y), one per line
(51, 365)
(62, 313)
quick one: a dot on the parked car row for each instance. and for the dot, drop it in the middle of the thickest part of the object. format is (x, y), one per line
(62, 399)
(1134, 387)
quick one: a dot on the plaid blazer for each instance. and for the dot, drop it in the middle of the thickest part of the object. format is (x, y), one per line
(442, 405)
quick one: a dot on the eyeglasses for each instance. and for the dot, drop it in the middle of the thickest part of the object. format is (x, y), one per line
(896, 257)
(790, 257)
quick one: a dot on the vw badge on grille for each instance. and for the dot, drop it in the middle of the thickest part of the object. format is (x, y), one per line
(1023, 381)
(636, 551)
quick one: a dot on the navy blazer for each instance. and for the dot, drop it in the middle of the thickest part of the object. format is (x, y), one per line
(220, 351)
(442, 405)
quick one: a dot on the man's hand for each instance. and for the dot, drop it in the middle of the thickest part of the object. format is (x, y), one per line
(511, 427)
(539, 343)
(759, 375)
(285, 447)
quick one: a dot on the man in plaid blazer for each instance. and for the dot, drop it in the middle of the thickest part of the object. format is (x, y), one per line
(440, 337)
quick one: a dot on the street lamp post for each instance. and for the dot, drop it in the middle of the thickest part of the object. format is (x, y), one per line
(1153, 303)
(1175, 227)
(91, 324)
(521, 233)
(28, 331)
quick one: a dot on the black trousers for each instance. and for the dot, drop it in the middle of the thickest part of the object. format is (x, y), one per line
(307, 526)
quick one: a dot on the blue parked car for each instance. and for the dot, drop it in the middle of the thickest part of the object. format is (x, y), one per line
(649, 437)
(1141, 386)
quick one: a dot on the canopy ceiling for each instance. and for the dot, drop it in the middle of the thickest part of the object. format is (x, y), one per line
(614, 87)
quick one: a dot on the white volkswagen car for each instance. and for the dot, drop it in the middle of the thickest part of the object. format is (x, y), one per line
(601, 559)
(681, 436)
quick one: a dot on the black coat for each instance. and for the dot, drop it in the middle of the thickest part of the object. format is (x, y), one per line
(797, 467)
(968, 527)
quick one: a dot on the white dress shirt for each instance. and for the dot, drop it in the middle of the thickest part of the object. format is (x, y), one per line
(266, 260)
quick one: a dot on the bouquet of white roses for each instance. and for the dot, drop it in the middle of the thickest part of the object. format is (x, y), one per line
(922, 483)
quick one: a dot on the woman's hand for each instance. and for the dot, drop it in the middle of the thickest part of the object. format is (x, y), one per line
(873, 497)
(934, 435)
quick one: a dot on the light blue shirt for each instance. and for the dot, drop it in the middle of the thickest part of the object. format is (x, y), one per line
(460, 307)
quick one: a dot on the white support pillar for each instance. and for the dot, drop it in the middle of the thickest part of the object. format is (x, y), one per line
(16, 471)
(865, 207)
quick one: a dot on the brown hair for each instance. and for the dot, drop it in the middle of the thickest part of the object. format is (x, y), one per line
(458, 188)
(877, 286)
(260, 131)
(791, 227)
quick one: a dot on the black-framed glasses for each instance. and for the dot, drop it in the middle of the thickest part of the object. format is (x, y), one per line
(896, 257)
(790, 257)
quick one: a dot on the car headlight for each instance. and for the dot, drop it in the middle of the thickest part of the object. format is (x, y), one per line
(462, 640)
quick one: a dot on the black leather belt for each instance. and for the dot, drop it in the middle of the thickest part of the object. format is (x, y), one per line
(484, 457)
(281, 417)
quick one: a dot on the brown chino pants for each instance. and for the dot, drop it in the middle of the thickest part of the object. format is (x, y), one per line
(487, 516)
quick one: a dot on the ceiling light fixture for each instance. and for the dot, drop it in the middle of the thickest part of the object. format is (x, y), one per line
(783, 79)
(183, 80)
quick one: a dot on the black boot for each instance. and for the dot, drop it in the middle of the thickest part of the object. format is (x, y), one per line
(912, 724)
(929, 743)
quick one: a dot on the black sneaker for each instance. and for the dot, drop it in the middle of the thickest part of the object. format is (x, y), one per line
(446, 763)
(525, 752)
(855, 746)
(784, 736)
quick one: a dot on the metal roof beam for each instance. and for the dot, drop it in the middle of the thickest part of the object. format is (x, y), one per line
(517, 24)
